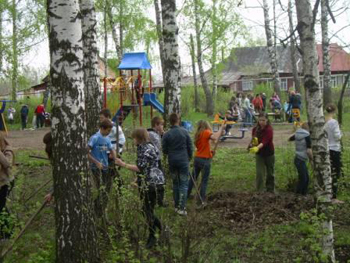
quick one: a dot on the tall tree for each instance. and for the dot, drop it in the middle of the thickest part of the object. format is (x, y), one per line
(214, 70)
(14, 50)
(193, 59)
(93, 102)
(172, 100)
(327, 90)
(209, 109)
(293, 49)
(313, 95)
(1, 35)
(74, 223)
(160, 35)
(271, 50)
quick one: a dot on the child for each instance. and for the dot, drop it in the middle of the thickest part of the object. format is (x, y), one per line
(334, 136)
(99, 145)
(6, 179)
(203, 156)
(303, 152)
(262, 146)
(155, 134)
(11, 113)
(149, 178)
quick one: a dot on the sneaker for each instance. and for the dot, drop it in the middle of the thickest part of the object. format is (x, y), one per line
(182, 212)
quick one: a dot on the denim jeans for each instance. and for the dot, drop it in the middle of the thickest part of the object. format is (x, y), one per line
(179, 173)
(200, 165)
(303, 173)
(248, 117)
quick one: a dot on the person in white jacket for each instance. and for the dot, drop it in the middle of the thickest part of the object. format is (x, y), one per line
(334, 136)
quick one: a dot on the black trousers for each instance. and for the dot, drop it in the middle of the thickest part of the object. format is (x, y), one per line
(3, 196)
(24, 121)
(336, 169)
(149, 198)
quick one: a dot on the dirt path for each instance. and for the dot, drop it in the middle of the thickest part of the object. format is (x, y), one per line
(33, 139)
(28, 139)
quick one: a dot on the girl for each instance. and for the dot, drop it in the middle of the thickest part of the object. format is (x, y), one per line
(334, 136)
(203, 156)
(6, 179)
(149, 178)
(262, 145)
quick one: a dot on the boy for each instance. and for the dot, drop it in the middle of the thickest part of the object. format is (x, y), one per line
(155, 134)
(99, 145)
(303, 152)
(105, 114)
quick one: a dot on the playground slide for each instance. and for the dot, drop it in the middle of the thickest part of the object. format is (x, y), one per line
(126, 110)
(150, 99)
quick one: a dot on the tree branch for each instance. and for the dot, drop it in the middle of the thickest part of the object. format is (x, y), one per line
(330, 11)
(314, 13)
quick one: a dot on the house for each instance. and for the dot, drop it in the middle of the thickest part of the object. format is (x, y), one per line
(247, 67)
(39, 89)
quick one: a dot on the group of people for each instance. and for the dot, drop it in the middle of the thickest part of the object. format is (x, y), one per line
(245, 107)
(262, 146)
(39, 116)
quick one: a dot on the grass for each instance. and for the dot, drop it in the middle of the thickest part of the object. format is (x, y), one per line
(209, 237)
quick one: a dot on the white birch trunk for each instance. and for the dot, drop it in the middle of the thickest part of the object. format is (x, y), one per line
(93, 99)
(171, 58)
(106, 38)
(74, 223)
(313, 93)
(208, 96)
(327, 91)
(293, 50)
(193, 59)
(1, 38)
(114, 32)
(214, 54)
(14, 51)
(160, 36)
(271, 50)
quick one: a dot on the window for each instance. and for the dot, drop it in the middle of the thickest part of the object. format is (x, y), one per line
(284, 84)
(247, 85)
(333, 81)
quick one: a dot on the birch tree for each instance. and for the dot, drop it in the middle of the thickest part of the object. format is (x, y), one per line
(75, 229)
(14, 61)
(171, 57)
(93, 102)
(194, 72)
(313, 94)
(160, 35)
(271, 50)
(1, 35)
(293, 49)
(327, 91)
(209, 109)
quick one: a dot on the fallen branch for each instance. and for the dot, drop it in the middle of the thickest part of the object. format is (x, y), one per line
(39, 157)
(4, 253)
(37, 190)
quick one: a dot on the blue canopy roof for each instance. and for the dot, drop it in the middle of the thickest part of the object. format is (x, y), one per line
(137, 60)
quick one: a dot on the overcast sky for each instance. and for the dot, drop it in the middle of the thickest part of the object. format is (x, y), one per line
(252, 15)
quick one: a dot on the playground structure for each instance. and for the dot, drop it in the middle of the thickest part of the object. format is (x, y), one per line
(132, 92)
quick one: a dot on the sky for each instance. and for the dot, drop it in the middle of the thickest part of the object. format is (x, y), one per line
(252, 15)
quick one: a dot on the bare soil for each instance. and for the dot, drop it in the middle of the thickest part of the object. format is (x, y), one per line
(28, 139)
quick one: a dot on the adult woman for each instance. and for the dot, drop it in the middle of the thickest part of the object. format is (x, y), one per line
(262, 146)
(148, 179)
(6, 162)
(203, 156)
(334, 137)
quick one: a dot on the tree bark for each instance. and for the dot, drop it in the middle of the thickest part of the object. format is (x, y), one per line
(340, 102)
(327, 90)
(114, 32)
(75, 229)
(106, 38)
(214, 54)
(93, 99)
(271, 50)
(121, 28)
(313, 94)
(14, 51)
(208, 96)
(293, 50)
(171, 58)
(1, 39)
(193, 59)
(160, 35)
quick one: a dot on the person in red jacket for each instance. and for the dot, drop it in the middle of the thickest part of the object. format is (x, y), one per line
(40, 116)
(262, 146)
(258, 103)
